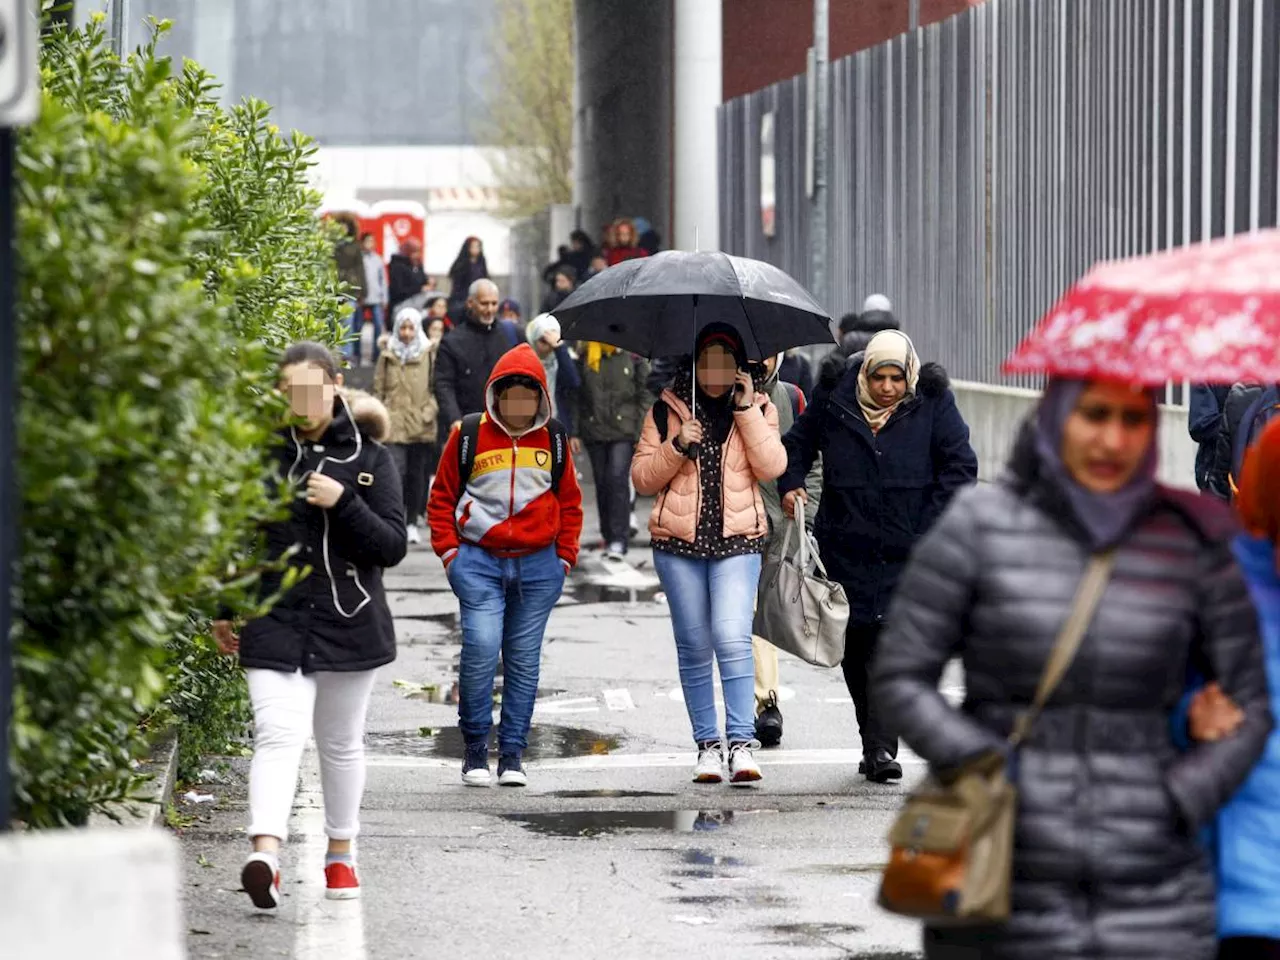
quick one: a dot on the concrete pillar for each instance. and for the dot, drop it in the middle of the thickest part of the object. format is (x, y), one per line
(698, 85)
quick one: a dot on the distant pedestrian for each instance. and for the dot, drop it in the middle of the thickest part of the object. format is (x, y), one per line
(311, 661)
(709, 528)
(795, 369)
(1204, 423)
(581, 250)
(404, 381)
(856, 331)
(895, 450)
(563, 379)
(509, 312)
(468, 267)
(626, 244)
(563, 279)
(468, 354)
(349, 258)
(1106, 859)
(374, 308)
(612, 404)
(438, 309)
(597, 266)
(406, 279)
(506, 524)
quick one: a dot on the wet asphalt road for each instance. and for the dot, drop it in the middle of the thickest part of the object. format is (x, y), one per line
(610, 852)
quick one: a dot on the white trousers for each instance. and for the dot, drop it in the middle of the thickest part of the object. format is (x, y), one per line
(287, 709)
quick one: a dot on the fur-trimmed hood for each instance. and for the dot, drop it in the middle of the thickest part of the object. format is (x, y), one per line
(934, 381)
(370, 416)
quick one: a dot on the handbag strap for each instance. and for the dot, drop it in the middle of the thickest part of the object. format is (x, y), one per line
(1083, 607)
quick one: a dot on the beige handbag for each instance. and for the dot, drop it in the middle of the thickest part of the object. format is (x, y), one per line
(797, 608)
(952, 859)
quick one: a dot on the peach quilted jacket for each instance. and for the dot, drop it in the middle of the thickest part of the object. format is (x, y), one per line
(753, 453)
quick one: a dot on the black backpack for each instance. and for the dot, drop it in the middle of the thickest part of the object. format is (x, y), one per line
(469, 435)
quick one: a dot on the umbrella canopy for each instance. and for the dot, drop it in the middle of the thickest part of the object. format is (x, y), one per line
(656, 306)
(1209, 313)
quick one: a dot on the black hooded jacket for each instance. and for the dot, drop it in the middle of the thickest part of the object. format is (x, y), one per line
(336, 618)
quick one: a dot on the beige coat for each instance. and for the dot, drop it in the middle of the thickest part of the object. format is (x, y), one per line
(752, 454)
(408, 390)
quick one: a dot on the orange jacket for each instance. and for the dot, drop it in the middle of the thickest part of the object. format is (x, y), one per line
(507, 505)
(753, 453)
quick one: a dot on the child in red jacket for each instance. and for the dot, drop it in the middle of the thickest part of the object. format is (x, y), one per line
(508, 534)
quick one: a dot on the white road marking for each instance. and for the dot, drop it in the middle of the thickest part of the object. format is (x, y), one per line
(327, 929)
(576, 705)
(645, 761)
(619, 699)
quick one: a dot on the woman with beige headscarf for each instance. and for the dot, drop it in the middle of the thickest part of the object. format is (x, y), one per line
(894, 451)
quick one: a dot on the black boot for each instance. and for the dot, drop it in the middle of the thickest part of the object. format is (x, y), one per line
(879, 766)
(769, 723)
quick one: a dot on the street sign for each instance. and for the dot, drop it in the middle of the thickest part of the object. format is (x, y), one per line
(19, 62)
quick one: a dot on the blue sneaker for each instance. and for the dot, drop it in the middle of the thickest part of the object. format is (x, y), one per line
(511, 772)
(475, 768)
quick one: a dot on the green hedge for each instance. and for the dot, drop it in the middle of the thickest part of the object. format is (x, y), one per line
(167, 247)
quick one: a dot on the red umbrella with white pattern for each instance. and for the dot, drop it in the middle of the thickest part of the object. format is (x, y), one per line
(1209, 313)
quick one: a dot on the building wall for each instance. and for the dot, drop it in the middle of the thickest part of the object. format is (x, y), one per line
(625, 115)
(766, 41)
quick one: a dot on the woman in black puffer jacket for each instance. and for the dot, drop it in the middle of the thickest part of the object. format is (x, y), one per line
(1107, 862)
(312, 659)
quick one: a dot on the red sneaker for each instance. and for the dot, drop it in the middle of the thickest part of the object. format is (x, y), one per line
(261, 880)
(340, 882)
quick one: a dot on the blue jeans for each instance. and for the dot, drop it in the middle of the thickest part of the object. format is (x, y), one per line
(505, 605)
(712, 603)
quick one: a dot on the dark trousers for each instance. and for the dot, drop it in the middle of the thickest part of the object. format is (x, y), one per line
(413, 461)
(860, 647)
(1249, 948)
(611, 469)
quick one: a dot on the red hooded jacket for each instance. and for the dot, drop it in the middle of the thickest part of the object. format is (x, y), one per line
(507, 506)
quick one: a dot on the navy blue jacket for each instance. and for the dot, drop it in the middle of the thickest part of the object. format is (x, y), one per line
(880, 493)
(1204, 422)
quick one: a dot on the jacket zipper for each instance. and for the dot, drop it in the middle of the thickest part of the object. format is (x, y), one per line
(515, 455)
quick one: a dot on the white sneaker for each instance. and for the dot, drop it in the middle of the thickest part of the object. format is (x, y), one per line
(414, 535)
(743, 769)
(616, 553)
(634, 526)
(710, 768)
(261, 880)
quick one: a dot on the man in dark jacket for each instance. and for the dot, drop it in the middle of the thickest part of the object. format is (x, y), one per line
(405, 276)
(1245, 411)
(468, 354)
(1204, 424)
(882, 489)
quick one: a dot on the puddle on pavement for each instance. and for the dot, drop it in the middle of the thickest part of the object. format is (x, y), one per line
(545, 743)
(837, 869)
(595, 823)
(605, 794)
(882, 955)
(588, 592)
(800, 934)
(762, 898)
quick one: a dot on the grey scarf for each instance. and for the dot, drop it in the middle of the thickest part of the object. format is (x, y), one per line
(1105, 518)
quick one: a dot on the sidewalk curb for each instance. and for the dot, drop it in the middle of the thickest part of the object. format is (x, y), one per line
(148, 809)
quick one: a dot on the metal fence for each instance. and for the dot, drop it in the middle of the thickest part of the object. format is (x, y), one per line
(980, 165)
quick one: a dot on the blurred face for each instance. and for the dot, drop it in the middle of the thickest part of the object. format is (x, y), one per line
(770, 365)
(1107, 436)
(474, 248)
(408, 331)
(716, 370)
(544, 348)
(518, 406)
(888, 385)
(311, 394)
(598, 263)
(626, 235)
(439, 308)
(368, 244)
(435, 330)
(563, 283)
(512, 315)
(610, 235)
(484, 305)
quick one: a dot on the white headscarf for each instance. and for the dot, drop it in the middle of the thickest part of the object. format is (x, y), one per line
(408, 352)
(889, 348)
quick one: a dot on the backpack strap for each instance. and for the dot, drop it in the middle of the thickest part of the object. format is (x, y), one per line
(469, 436)
(661, 418)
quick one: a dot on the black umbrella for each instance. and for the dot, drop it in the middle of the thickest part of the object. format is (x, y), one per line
(656, 306)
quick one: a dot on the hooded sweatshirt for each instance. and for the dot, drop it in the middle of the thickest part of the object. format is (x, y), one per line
(507, 505)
